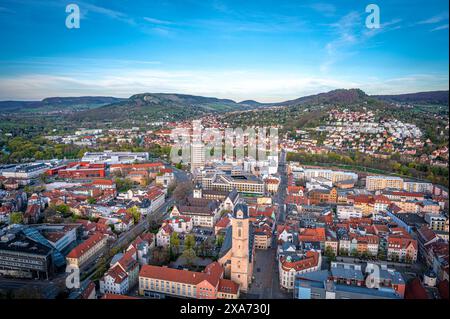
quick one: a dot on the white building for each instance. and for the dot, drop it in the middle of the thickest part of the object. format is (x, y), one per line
(348, 212)
(291, 266)
(115, 281)
(110, 157)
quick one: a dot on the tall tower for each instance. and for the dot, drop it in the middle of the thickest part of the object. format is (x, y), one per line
(197, 147)
(241, 250)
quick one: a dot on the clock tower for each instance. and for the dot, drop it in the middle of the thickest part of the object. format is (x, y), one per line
(241, 249)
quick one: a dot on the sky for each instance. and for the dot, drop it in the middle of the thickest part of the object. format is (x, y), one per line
(248, 49)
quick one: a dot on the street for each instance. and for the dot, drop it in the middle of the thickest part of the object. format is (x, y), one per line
(266, 284)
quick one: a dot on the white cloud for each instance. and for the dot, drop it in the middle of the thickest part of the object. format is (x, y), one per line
(435, 19)
(442, 27)
(157, 21)
(237, 84)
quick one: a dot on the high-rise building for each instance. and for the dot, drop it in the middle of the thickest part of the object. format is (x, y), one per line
(197, 147)
(197, 156)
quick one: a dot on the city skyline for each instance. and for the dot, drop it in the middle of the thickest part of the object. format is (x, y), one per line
(224, 49)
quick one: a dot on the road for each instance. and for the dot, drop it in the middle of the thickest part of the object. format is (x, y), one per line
(48, 289)
(266, 284)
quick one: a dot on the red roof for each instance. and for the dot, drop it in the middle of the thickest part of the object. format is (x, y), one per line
(212, 274)
(117, 274)
(224, 222)
(415, 290)
(401, 242)
(294, 189)
(443, 289)
(89, 289)
(296, 199)
(228, 286)
(311, 260)
(312, 234)
(85, 246)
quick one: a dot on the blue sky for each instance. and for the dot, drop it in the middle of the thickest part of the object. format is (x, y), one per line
(263, 50)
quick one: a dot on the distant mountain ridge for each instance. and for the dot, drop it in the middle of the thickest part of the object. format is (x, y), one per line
(58, 102)
(432, 97)
(161, 106)
(339, 96)
(181, 106)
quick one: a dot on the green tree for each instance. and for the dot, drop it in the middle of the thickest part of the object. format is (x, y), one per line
(175, 241)
(16, 218)
(135, 213)
(189, 255)
(63, 209)
(189, 242)
(219, 240)
(354, 253)
(330, 253)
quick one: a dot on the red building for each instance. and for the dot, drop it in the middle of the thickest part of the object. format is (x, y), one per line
(80, 170)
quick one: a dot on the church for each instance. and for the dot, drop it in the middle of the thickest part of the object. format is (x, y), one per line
(238, 250)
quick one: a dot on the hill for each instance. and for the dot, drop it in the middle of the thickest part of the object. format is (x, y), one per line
(162, 106)
(432, 97)
(339, 96)
(57, 104)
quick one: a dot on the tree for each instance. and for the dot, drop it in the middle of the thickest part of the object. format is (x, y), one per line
(189, 241)
(63, 209)
(175, 241)
(123, 184)
(189, 255)
(181, 191)
(354, 253)
(330, 253)
(364, 255)
(219, 240)
(135, 213)
(381, 255)
(15, 218)
(160, 255)
(91, 200)
(343, 252)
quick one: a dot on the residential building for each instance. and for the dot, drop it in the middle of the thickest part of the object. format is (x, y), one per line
(291, 266)
(374, 183)
(159, 282)
(87, 251)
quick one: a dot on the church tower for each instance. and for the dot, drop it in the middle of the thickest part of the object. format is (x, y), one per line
(241, 249)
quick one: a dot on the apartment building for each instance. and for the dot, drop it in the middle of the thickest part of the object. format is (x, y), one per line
(374, 183)
(291, 266)
(87, 251)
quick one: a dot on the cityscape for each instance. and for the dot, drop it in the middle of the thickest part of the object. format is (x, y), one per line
(338, 191)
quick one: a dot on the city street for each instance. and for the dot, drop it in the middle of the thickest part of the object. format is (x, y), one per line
(267, 284)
